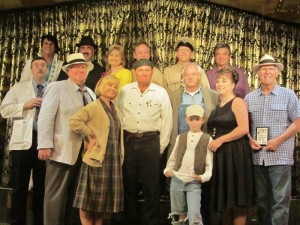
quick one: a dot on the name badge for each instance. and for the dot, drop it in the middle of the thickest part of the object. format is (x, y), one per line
(262, 135)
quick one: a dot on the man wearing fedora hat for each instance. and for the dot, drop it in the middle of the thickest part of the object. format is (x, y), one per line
(87, 47)
(275, 119)
(57, 143)
(185, 48)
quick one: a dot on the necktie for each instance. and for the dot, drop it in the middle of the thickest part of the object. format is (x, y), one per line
(84, 99)
(40, 91)
(39, 94)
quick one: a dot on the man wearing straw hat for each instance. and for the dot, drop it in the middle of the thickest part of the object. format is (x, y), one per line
(57, 144)
(275, 119)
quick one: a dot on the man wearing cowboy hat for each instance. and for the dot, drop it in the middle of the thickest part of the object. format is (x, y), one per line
(275, 119)
(185, 49)
(57, 144)
(87, 47)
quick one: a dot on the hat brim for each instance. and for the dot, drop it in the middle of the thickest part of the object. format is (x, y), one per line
(81, 44)
(90, 66)
(278, 65)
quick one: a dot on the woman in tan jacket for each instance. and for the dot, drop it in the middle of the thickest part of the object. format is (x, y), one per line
(100, 182)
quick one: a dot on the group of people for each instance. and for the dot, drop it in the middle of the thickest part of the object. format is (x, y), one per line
(96, 135)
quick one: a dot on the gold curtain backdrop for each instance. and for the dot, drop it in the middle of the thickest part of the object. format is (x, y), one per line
(158, 22)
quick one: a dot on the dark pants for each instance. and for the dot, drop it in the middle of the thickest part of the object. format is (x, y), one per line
(23, 161)
(141, 164)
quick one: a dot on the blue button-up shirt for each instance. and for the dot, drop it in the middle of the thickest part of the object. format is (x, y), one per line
(277, 111)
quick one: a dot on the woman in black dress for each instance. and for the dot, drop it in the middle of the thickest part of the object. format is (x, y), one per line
(232, 188)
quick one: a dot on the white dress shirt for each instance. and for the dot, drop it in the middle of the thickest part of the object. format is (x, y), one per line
(147, 111)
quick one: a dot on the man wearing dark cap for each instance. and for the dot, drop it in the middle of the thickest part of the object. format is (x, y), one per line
(49, 50)
(142, 50)
(87, 47)
(185, 48)
(147, 120)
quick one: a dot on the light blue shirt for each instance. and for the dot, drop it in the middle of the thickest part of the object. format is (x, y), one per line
(188, 99)
(277, 111)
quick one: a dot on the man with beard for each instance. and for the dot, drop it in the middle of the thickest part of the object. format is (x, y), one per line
(88, 48)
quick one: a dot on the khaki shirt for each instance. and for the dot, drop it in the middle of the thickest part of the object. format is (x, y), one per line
(173, 78)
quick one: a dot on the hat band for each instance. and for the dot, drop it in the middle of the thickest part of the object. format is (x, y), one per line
(267, 61)
(77, 60)
(186, 44)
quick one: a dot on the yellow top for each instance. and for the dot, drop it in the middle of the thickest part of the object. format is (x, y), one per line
(124, 76)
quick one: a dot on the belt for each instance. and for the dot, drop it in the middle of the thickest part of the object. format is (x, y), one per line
(140, 135)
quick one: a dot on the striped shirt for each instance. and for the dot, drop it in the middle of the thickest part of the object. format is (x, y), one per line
(277, 111)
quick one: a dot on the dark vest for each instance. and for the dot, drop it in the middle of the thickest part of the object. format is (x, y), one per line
(200, 152)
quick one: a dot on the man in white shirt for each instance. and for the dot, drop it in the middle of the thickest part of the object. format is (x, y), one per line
(147, 120)
(22, 104)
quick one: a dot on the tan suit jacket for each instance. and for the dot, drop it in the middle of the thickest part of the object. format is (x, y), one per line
(61, 101)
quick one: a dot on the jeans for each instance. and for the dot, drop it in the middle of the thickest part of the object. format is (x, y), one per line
(273, 190)
(185, 198)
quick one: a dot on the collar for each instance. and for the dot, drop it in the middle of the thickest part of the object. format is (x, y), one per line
(34, 83)
(275, 90)
(192, 93)
(134, 85)
(75, 86)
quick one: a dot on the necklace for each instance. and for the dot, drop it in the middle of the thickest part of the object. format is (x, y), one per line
(224, 102)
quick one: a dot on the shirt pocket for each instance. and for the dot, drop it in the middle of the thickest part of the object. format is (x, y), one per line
(279, 114)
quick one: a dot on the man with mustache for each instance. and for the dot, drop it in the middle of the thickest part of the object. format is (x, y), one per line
(88, 48)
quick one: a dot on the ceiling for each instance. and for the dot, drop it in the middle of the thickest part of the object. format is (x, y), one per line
(285, 10)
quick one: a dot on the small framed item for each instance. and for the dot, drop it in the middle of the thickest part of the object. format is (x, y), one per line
(262, 135)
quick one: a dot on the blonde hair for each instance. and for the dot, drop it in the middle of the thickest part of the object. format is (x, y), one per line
(108, 79)
(111, 48)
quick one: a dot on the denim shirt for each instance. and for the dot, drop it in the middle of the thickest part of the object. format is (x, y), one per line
(188, 99)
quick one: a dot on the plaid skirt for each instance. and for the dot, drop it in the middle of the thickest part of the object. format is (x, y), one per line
(100, 189)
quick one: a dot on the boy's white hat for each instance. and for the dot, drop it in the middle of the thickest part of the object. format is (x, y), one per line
(195, 110)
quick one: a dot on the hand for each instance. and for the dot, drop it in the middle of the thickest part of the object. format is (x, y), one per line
(44, 153)
(254, 145)
(169, 174)
(92, 141)
(197, 178)
(215, 144)
(32, 103)
(272, 145)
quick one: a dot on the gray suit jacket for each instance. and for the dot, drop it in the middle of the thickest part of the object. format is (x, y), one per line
(211, 99)
(61, 101)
